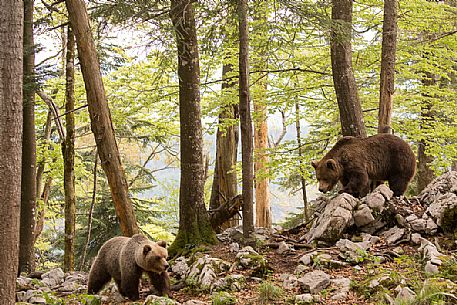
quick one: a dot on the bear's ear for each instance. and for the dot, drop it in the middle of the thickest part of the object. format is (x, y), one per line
(315, 163)
(146, 249)
(331, 164)
(162, 243)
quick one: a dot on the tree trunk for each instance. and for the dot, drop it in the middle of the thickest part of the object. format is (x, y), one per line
(343, 76)
(91, 212)
(300, 161)
(39, 224)
(28, 176)
(194, 225)
(425, 174)
(68, 152)
(11, 57)
(259, 96)
(262, 189)
(100, 117)
(225, 181)
(245, 122)
(389, 46)
(41, 165)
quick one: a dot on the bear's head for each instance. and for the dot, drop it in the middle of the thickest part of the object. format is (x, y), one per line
(152, 256)
(328, 173)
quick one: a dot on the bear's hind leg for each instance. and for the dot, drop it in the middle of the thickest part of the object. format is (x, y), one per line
(98, 277)
(161, 282)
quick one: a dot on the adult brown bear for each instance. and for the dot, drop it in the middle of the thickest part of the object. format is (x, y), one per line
(125, 259)
(356, 162)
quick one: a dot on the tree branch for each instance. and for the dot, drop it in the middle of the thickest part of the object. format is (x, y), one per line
(55, 113)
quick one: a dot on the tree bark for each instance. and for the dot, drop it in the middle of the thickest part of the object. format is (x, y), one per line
(225, 179)
(28, 176)
(259, 96)
(300, 161)
(343, 77)
(100, 117)
(41, 165)
(68, 152)
(11, 59)
(39, 224)
(91, 212)
(425, 174)
(245, 122)
(194, 225)
(389, 46)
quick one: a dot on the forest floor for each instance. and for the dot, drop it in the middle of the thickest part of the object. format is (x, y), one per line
(403, 266)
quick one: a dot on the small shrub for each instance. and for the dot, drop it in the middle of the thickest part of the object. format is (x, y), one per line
(223, 298)
(269, 292)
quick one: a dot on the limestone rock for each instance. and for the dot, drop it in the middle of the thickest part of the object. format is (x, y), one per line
(307, 259)
(363, 216)
(248, 258)
(343, 286)
(156, 300)
(315, 281)
(393, 235)
(53, 277)
(234, 247)
(443, 211)
(195, 302)
(306, 298)
(232, 282)
(283, 247)
(405, 294)
(180, 267)
(204, 271)
(289, 281)
(337, 216)
(444, 184)
(352, 252)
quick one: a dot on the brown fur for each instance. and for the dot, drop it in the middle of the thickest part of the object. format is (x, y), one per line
(357, 162)
(125, 259)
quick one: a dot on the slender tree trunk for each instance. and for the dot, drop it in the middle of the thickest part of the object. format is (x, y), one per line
(425, 174)
(259, 97)
(343, 77)
(225, 181)
(41, 165)
(194, 225)
(389, 46)
(39, 224)
(262, 189)
(300, 161)
(245, 122)
(91, 212)
(11, 57)
(28, 176)
(68, 150)
(100, 117)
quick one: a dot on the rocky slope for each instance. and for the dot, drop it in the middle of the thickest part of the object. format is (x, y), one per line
(377, 250)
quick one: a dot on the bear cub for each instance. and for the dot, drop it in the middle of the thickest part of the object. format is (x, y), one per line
(359, 162)
(125, 259)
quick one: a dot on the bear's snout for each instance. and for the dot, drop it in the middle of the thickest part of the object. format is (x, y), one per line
(322, 190)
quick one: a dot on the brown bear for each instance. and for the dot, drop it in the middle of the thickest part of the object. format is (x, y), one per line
(359, 162)
(125, 259)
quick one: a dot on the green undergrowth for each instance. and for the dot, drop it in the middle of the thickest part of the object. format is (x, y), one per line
(269, 292)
